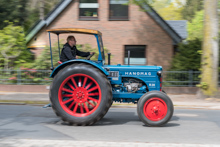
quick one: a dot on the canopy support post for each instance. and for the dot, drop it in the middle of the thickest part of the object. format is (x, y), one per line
(58, 44)
(51, 56)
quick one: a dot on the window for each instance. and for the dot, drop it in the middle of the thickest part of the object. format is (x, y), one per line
(118, 10)
(137, 54)
(175, 49)
(88, 9)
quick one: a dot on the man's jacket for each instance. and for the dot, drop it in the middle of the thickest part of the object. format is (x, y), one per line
(69, 53)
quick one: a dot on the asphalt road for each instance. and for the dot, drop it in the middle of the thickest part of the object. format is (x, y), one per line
(188, 126)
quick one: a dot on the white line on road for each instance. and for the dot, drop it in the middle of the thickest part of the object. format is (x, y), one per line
(187, 115)
(70, 143)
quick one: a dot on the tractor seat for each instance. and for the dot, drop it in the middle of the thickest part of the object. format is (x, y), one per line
(60, 62)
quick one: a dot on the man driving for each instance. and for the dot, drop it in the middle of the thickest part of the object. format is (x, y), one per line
(70, 51)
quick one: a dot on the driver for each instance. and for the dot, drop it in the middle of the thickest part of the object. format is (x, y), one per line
(70, 51)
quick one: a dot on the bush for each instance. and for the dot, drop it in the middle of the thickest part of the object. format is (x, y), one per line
(44, 60)
(13, 50)
(88, 48)
(188, 57)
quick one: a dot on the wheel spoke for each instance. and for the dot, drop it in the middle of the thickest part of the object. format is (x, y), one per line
(75, 108)
(92, 89)
(91, 104)
(80, 95)
(87, 87)
(93, 94)
(80, 82)
(81, 108)
(84, 83)
(67, 90)
(67, 101)
(74, 82)
(71, 105)
(95, 100)
(71, 86)
(67, 95)
(86, 108)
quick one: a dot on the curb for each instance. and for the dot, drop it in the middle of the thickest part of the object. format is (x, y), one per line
(42, 103)
(13, 102)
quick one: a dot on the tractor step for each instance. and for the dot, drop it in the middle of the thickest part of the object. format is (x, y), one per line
(48, 105)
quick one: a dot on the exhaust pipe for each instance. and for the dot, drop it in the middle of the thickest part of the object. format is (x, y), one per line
(109, 58)
(128, 57)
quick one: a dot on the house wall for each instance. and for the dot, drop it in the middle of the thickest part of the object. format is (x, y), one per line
(141, 29)
(39, 41)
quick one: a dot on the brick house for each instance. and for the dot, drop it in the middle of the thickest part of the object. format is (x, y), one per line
(151, 40)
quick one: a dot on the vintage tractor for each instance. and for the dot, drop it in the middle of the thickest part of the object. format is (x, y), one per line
(82, 91)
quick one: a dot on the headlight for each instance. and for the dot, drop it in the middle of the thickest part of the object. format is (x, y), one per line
(159, 73)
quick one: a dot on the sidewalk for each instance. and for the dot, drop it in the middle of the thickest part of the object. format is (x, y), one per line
(179, 101)
(191, 101)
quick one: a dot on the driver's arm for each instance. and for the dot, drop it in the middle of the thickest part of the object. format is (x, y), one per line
(82, 54)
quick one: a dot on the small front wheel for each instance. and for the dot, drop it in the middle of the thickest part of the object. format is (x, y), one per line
(155, 108)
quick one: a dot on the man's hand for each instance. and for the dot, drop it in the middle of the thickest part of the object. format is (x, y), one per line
(76, 57)
(89, 56)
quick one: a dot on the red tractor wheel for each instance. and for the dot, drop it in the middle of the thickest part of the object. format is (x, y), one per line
(80, 94)
(155, 108)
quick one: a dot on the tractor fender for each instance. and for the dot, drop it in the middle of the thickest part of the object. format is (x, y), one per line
(64, 64)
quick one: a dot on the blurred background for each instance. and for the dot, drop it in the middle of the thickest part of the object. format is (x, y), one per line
(180, 35)
(169, 33)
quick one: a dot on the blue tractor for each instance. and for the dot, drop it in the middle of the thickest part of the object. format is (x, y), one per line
(82, 91)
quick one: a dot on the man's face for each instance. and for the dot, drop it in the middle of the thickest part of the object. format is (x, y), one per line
(72, 42)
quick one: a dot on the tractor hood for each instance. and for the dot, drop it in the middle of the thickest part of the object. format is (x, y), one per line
(131, 67)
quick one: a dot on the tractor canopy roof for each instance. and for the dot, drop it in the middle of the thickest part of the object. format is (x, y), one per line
(74, 30)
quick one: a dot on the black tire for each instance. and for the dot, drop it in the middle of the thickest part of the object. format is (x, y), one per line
(155, 109)
(164, 91)
(74, 115)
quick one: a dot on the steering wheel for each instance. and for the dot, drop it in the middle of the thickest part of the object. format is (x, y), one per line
(90, 56)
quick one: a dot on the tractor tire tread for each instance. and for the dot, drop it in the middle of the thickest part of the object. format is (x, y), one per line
(101, 115)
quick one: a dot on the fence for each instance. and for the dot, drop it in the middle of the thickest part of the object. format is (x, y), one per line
(25, 77)
(41, 77)
(181, 78)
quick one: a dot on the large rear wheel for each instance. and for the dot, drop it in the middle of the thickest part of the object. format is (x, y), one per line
(80, 94)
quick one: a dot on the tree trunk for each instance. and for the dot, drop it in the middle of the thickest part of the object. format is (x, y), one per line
(33, 3)
(7, 57)
(41, 9)
(6, 64)
(209, 81)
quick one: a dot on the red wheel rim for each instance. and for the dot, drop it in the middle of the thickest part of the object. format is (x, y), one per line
(79, 95)
(155, 109)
